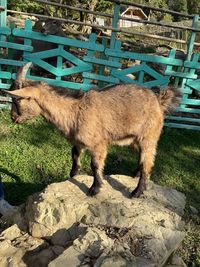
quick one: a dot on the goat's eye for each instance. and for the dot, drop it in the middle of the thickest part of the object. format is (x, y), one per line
(54, 22)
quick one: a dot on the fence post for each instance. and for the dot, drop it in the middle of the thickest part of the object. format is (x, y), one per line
(115, 21)
(192, 37)
(190, 48)
(3, 13)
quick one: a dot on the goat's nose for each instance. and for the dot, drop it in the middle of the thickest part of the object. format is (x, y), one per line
(43, 31)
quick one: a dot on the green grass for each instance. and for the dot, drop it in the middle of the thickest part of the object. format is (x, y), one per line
(35, 154)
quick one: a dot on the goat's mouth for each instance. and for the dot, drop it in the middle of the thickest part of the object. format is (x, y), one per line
(16, 118)
(44, 32)
(15, 114)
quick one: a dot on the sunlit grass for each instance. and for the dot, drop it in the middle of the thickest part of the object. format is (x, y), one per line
(35, 154)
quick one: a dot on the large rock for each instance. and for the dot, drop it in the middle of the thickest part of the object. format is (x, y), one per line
(101, 231)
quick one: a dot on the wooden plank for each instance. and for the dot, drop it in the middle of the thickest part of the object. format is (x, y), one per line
(187, 90)
(11, 62)
(122, 78)
(59, 62)
(195, 102)
(4, 106)
(5, 99)
(181, 74)
(5, 30)
(159, 82)
(3, 13)
(195, 25)
(194, 84)
(121, 74)
(57, 40)
(15, 46)
(90, 53)
(43, 54)
(5, 75)
(144, 57)
(192, 65)
(115, 22)
(102, 68)
(72, 58)
(186, 119)
(4, 86)
(193, 58)
(182, 126)
(102, 62)
(54, 53)
(188, 110)
(61, 83)
(58, 71)
(126, 71)
(44, 65)
(98, 77)
(74, 70)
(151, 71)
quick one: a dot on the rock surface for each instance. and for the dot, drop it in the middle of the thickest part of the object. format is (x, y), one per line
(62, 226)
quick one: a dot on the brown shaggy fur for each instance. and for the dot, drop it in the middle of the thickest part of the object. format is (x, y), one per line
(122, 115)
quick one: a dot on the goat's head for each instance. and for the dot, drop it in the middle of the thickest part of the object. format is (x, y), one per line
(51, 26)
(24, 106)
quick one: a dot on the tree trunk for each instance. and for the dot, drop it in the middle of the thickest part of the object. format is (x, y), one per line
(89, 18)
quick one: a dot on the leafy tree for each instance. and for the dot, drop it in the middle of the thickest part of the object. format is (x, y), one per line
(25, 6)
(193, 6)
(159, 4)
(105, 6)
(179, 6)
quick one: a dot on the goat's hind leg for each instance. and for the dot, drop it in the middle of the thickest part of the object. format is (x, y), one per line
(97, 166)
(76, 152)
(136, 147)
(145, 167)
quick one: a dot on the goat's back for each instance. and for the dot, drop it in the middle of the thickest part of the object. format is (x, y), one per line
(119, 112)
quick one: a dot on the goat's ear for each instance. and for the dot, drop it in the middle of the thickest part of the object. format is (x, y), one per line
(18, 94)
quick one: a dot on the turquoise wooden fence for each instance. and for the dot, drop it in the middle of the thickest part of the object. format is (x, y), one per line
(103, 64)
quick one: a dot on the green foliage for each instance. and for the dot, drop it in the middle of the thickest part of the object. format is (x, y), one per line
(105, 6)
(184, 6)
(25, 6)
(160, 16)
(179, 6)
(193, 6)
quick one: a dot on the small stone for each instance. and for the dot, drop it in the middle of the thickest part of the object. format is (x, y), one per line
(193, 210)
(11, 233)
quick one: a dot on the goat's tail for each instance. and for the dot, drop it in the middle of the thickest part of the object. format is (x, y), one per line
(169, 99)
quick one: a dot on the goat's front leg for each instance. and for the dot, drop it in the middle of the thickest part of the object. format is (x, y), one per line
(76, 152)
(97, 166)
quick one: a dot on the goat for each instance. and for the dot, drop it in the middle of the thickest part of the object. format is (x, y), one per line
(45, 27)
(121, 114)
(48, 26)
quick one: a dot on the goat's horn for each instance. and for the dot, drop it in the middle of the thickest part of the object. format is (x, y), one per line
(3, 91)
(21, 74)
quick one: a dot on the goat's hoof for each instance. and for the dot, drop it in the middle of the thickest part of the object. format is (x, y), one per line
(136, 193)
(74, 173)
(136, 175)
(93, 191)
